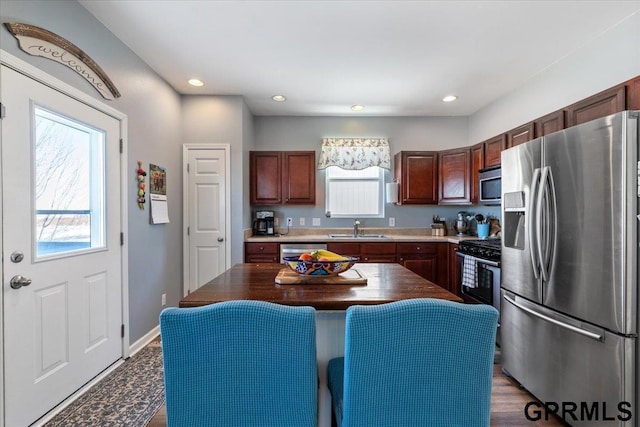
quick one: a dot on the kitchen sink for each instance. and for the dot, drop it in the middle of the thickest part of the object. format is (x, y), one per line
(359, 236)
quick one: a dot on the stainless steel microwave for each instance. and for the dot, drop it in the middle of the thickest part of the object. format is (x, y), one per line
(490, 185)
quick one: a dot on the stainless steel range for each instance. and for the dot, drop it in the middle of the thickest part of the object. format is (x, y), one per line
(487, 249)
(479, 272)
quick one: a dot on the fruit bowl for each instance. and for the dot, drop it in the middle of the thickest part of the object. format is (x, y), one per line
(319, 266)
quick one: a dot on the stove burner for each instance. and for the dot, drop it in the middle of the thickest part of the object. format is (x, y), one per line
(481, 248)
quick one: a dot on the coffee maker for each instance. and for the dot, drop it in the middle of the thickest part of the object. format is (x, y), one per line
(264, 224)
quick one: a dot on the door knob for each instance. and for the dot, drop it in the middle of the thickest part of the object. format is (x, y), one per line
(19, 281)
(220, 239)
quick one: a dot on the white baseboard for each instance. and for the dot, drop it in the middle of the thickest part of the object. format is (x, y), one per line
(146, 339)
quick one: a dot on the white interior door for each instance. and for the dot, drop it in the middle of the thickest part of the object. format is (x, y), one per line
(206, 214)
(62, 284)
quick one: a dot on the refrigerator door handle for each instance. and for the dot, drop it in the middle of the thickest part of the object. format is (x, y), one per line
(542, 223)
(589, 334)
(552, 229)
(532, 228)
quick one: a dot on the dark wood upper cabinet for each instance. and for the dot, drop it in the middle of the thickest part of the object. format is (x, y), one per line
(282, 177)
(477, 163)
(417, 175)
(633, 94)
(455, 176)
(265, 170)
(492, 149)
(602, 104)
(299, 178)
(549, 124)
(520, 135)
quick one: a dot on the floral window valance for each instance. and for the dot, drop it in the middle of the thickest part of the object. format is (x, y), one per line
(354, 153)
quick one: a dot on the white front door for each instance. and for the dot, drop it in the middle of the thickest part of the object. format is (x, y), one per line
(62, 284)
(206, 206)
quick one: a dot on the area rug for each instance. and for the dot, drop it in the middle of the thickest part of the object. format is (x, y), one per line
(130, 396)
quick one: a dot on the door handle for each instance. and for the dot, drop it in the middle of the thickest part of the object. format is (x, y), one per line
(542, 220)
(19, 281)
(532, 227)
(220, 239)
(589, 334)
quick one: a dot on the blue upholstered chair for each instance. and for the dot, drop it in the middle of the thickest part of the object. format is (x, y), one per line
(421, 362)
(240, 363)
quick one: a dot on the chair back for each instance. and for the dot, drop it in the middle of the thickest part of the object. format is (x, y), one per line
(240, 363)
(419, 362)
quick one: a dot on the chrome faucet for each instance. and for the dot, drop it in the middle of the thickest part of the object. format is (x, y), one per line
(356, 226)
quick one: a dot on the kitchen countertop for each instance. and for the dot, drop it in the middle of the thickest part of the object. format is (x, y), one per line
(386, 282)
(394, 235)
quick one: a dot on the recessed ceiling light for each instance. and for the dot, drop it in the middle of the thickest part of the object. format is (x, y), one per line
(449, 98)
(195, 82)
(279, 98)
(357, 107)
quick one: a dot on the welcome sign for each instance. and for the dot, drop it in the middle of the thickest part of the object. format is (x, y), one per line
(37, 41)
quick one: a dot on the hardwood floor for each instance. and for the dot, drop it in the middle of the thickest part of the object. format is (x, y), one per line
(508, 401)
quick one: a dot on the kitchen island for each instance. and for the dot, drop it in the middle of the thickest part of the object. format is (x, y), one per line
(386, 282)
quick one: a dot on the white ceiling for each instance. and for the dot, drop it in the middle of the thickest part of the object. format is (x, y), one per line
(397, 58)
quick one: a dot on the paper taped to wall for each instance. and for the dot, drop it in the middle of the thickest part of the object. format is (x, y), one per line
(159, 210)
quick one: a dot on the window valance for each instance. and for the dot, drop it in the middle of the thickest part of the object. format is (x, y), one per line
(354, 153)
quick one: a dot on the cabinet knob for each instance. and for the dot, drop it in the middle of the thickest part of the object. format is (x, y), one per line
(262, 248)
(417, 248)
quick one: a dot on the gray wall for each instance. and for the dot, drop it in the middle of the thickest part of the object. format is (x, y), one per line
(610, 59)
(224, 120)
(154, 118)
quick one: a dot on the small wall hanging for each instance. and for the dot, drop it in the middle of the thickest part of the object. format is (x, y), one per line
(141, 185)
(40, 42)
(158, 194)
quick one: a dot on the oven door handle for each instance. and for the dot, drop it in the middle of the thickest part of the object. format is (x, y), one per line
(481, 260)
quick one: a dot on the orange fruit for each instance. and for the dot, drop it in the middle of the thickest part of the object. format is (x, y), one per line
(305, 257)
(323, 258)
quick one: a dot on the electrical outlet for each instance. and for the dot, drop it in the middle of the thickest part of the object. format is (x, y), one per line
(289, 222)
(392, 221)
(164, 299)
(276, 221)
(316, 222)
(302, 220)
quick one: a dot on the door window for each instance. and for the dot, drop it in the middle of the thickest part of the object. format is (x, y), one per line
(69, 185)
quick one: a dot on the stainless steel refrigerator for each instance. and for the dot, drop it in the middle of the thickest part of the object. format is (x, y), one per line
(569, 288)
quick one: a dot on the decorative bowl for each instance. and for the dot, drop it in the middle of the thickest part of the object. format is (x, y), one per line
(319, 268)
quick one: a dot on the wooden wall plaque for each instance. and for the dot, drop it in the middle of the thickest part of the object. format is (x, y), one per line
(40, 42)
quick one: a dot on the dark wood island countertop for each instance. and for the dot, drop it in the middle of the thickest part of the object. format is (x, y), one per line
(386, 282)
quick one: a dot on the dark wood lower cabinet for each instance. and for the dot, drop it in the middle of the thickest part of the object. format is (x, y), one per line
(345, 248)
(261, 252)
(377, 252)
(429, 260)
(454, 278)
(367, 252)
